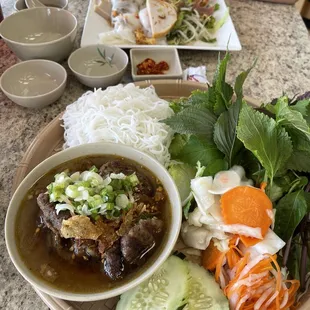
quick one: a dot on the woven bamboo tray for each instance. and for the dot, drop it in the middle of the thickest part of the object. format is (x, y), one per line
(50, 141)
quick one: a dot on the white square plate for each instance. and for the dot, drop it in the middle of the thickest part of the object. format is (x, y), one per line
(226, 36)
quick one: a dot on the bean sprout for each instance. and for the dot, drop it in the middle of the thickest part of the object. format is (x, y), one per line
(194, 27)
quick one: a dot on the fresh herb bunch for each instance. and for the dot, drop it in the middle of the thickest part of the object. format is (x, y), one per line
(218, 128)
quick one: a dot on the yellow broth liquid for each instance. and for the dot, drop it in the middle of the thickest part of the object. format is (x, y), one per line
(76, 277)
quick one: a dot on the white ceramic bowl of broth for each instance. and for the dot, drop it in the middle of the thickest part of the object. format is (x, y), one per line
(40, 33)
(34, 83)
(94, 149)
(98, 66)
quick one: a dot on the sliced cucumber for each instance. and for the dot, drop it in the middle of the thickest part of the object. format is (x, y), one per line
(167, 289)
(176, 285)
(204, 292)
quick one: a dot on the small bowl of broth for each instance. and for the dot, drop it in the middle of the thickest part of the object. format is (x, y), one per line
(93, 221)
(43, 33)
(98, 66)
(34, 83)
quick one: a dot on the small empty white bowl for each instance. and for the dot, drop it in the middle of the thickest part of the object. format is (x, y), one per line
(40, 33)
(169, 55)
(98, 66)
(34, 83)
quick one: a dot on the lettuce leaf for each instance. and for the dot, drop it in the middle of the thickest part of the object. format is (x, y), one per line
(269, 142)
(177, 144)
(182, 175)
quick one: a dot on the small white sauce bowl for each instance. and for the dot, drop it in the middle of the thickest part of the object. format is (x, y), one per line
(87, 65)
(34, 83)
(85, 150)
(40, 33)
(167, 54)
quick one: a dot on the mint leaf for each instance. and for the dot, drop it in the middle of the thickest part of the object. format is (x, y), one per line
(226, 93)
(290, 182)
(277, 104)
(198, 97)
(221, 67)
(241, 79)
(299, 161)
(202, 98)
(197, 150)
(291, 119)
(270, 108)
(222, 89)
(301, 141)
(176, 105)
(194, 120)
(265, 139)
(297, 127)
(299, 131)
(211, 98)
(302, 106)
(290, 211)
(225, 133)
